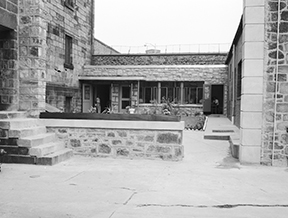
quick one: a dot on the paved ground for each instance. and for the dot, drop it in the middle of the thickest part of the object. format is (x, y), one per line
(207, 183)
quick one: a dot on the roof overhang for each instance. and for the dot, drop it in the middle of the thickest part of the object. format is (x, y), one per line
(114, 78)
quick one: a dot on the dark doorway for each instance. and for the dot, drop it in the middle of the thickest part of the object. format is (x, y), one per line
(217, 94)
(103, 92)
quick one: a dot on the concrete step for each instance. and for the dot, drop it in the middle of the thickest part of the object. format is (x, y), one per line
(12, 114)
(55, 157)
(36, 140)
(12, 149)
(8, 141)
(19, 123)
(21, 133)
(217, 136)
(19, 159)
(45, 149)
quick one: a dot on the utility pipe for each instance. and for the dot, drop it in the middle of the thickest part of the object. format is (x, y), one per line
(276, 84)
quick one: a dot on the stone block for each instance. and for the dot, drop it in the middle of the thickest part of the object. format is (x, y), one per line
(251, 102)
(122, 152)
(282, 107)
(254, 33)
(253, 68)
(251, 137)
(254, 15)
(253, 3)
(251, 120)
(168, 138)
(249, 155)
(253, 50)
(104, 149)
(252, 85)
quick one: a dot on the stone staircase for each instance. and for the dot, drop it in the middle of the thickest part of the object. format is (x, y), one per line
(26, 141)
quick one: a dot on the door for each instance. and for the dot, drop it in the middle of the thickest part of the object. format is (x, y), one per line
(207, 99)
(87, 96)
(217, 92)
(125, 97)
(103, 93)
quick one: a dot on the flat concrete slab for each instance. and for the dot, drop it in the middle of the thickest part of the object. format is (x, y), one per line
(207, 183)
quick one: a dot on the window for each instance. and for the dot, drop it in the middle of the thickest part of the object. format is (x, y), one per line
(125, 96)
(193, 92)
(239, 78)
(148, 92)
(68, 52)
(171, 91)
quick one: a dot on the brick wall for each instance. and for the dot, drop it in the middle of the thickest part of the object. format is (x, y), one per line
(9, 85)
(160, 59)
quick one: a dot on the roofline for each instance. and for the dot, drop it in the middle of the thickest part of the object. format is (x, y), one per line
(235, 40)
(106, 45)
(164, 54)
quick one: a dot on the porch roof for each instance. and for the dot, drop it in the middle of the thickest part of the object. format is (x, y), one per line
(117, 78)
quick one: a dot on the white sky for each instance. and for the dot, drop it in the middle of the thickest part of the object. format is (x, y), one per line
(166, 22)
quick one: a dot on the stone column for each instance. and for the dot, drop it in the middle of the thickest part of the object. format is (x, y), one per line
(252, 81)
(32, 56)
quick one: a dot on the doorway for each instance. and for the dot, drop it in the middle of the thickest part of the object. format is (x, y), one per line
(217, 101)
(103, 92)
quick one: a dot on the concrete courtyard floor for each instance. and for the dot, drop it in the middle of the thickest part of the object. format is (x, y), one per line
(207, 183)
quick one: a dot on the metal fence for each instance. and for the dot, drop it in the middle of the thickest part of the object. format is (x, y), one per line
(180, 48)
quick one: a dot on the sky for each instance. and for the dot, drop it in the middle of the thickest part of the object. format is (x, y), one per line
(166, 22)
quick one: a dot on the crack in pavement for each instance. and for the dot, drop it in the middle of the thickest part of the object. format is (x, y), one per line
(221, 206)
(126, 202)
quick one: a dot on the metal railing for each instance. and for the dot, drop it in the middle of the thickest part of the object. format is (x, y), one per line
(179, 48)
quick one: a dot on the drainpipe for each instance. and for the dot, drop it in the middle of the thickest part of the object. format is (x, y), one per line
(233, 83)
(276, 84)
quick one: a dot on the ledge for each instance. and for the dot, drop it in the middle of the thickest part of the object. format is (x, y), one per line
(115, 124)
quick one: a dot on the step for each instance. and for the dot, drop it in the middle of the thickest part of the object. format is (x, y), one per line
(19, 123)
(12, 149)
(45, 149)
(21, 133)
(55, 157)
(16, 158)
(32, 141)
(12, 114)
(217, 137)
(8, 141)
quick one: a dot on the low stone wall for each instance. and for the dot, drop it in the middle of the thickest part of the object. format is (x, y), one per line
(128, 139)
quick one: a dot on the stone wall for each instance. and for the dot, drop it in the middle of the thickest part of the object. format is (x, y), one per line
(276, 86)
(9, 85)
(209, 74)
(139, 139)
(68, 99)
(76, 22)
(160, 59)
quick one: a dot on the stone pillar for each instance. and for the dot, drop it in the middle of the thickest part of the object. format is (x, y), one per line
(252, 81)
(9, 85)
(32, 56)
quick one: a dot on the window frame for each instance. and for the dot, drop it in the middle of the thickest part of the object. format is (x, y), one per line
(68, 61)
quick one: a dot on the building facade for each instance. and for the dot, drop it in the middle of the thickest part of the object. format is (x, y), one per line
(44, 48)
(189, 81)
(258, 82)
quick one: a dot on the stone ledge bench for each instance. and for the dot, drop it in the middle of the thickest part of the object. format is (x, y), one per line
(121, 138)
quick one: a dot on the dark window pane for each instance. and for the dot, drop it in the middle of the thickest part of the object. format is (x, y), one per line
(125, 92)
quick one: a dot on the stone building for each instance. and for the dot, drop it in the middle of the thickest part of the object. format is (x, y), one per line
(143, 80)
(258, 93)
(44, 46)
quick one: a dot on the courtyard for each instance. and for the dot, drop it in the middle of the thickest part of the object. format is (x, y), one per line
(207, 183)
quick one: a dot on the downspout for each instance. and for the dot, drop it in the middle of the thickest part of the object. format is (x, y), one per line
(276, 84)
(233, 83)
